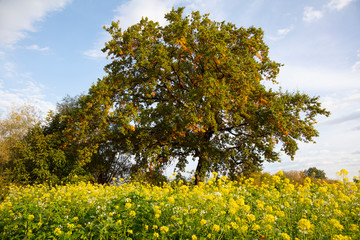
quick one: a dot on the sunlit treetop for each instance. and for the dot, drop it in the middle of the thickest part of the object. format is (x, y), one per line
(195, 89)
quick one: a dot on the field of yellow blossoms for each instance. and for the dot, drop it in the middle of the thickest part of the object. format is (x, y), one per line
(217, 209)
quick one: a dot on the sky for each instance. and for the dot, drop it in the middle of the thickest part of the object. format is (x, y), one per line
(52, 48)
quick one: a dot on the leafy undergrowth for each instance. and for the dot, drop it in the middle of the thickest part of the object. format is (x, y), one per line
(217, 209)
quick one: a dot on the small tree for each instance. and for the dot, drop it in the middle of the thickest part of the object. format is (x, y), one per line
(194, 89)
(313, 172)
(38, 159)
(14, 126)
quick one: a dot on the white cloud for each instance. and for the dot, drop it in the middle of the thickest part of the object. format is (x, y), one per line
(284, 31)
(316, 79)
(18, 88)
(338, 4)
(356, 67)
(31, 93)
(37, 48)
(311, 15)
(342, 104)
(130, 13)
(9, 69)
(96, 52)
(17, 17)
(281, 33)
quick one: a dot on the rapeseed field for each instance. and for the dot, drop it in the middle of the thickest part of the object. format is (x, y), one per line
(216, 209)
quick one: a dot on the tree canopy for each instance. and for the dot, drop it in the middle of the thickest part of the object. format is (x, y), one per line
(14, 126)
(313, 172)
(194, 89)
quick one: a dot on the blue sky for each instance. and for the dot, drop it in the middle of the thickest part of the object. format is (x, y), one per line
(51, 48)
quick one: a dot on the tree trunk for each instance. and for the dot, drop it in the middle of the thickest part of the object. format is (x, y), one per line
(198, 171)
(200, 152)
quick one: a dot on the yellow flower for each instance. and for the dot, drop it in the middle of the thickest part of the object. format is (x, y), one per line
(75, 219)
(69, 233)
(130, 231)
(209, 235)
(244, 228)
(132, 213)
(250, 217)
(203, 222)
(216, 228)
(336, 224)
(193, 237)
(234, 225)
(304, 225)
(146, 227)
(246, 208)
(269, 218)
(31, 217)
(156, 235)
(164, 229)
(285, 236)
(57, 231)
(268, 227)
(127, 205)
(171, 200)
(70, 226)
(354, 227)
(232, 210)
(194, 210)
(118, 222)
(338, 212)
(256, 227)
(269, 209)
(341, 237)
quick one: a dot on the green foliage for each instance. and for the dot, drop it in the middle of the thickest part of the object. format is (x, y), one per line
(13, 128)
(48, 152)
(37, 159)
(216, 209)
(109, 163)
(194, 89)
(191, 90)
(313, 172)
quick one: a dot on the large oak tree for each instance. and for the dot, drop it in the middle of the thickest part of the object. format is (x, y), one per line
(195, 89)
